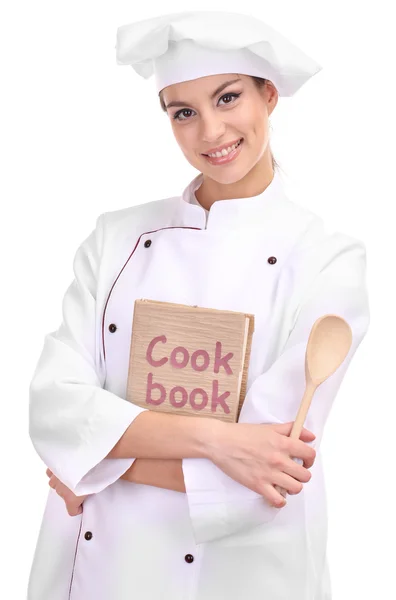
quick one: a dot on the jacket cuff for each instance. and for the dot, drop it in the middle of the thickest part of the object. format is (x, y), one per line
(89, 471)
(218, 505)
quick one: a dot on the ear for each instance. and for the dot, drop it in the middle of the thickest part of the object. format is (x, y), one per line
(271, 96)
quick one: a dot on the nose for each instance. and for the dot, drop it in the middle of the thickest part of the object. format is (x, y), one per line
(212, 128)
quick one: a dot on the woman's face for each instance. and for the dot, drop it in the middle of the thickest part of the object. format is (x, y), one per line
(206, 117)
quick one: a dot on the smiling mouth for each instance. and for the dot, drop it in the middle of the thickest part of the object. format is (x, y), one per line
(238, 144)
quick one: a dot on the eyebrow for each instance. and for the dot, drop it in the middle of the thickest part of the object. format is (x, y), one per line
(213, 94)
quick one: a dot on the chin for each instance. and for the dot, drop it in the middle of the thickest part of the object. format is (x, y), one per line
(227, 176)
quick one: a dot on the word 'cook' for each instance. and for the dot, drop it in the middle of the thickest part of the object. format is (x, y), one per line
(219, 362)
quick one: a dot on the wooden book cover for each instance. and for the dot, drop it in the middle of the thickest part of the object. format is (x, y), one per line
(189, 360)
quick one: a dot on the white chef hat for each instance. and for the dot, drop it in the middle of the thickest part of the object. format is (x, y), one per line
(182, 46)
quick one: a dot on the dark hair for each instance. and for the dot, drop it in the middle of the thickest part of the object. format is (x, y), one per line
(259, 82)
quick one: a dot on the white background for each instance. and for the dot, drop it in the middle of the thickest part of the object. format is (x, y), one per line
(81, 135)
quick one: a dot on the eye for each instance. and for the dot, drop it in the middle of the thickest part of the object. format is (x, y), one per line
(179, 112)
(230, 96)
(186, 110)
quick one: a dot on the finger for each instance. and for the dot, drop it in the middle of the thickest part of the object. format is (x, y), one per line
(307, 435)
(286, 429)
(283, 428)
(296, 470)
(73, 512)
(74, 507)
(299, 449)
(307, 464)
(60, 489)
(284, 481)
(49, 473)
(273, 497)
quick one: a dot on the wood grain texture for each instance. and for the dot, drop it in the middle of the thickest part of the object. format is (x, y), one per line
(189, 360)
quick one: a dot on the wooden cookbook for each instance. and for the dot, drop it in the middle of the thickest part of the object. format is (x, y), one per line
(189, 360)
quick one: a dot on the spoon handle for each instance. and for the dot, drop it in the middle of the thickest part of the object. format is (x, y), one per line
(303, 411)
(299, 424)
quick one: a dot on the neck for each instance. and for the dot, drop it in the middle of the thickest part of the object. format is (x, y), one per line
(252, 184)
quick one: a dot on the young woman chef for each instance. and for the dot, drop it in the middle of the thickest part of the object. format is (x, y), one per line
(196, 516)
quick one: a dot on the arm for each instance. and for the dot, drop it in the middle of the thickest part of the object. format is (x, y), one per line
(158, 472)
(162, 435)
(73, 421)
(160, 441)
(329, 277)
(76, 426)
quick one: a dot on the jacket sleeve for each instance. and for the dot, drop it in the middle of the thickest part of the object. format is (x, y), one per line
(323, 278)
(73, 421)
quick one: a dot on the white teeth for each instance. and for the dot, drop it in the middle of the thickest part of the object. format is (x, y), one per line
(224, 152)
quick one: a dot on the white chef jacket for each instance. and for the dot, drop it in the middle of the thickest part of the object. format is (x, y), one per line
(219, 540)
(191, 197)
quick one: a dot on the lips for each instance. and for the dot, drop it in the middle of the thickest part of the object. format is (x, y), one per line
(225, 159)
(225, 146)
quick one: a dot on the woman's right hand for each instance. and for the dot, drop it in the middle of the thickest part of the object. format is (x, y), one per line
(259, 456)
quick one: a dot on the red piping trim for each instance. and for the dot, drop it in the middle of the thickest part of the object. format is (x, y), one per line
(111, 289)
(104, 354)
(75, 555)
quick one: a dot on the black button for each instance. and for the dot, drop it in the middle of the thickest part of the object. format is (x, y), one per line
(189, 558)
(112, 327)
(88, 535)
(147, 243)
(272, 260)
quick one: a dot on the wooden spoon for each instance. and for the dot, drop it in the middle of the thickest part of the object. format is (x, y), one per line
(328, 345)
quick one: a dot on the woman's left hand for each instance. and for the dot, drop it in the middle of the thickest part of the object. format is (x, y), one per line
(73, 502)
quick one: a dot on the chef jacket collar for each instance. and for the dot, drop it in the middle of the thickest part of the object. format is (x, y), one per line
(231, 212)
